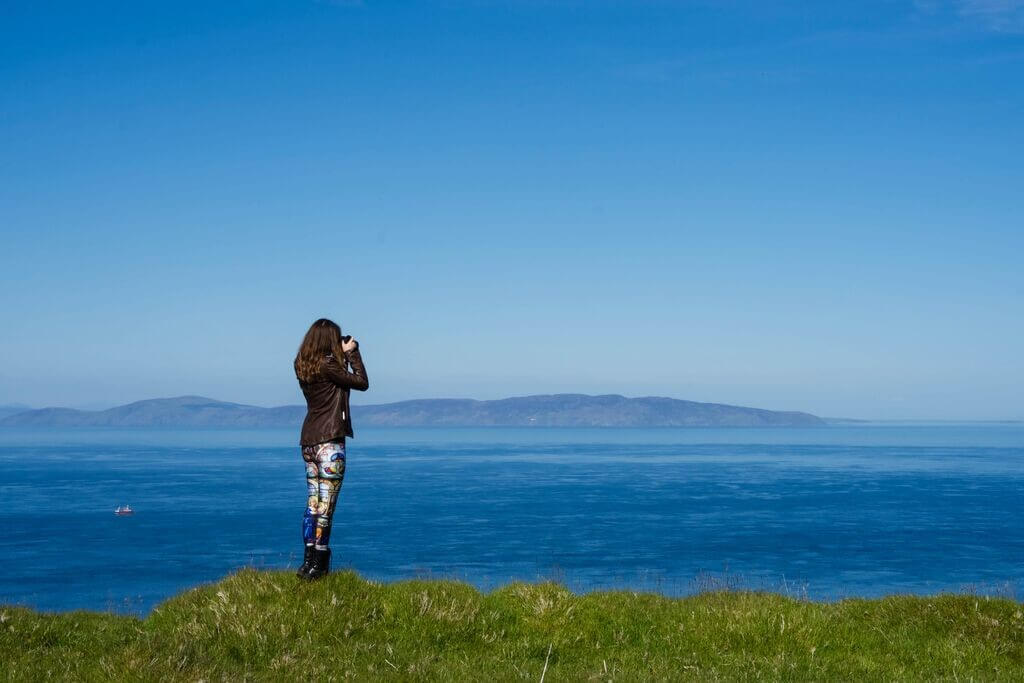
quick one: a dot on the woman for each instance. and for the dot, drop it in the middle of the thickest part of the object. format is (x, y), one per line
(325, 381)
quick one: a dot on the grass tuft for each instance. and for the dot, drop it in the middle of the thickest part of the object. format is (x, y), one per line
(268, 625)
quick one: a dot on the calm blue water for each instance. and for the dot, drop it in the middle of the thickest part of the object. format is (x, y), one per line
(826, 513)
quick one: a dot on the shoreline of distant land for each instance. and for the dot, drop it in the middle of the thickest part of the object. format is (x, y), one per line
(553, 410)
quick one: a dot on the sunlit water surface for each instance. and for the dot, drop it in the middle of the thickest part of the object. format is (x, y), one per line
(822, 513)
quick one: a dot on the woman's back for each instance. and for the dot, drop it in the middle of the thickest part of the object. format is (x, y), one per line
(327, 392)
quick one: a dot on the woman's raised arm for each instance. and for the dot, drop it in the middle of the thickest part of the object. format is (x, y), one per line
(335, 371)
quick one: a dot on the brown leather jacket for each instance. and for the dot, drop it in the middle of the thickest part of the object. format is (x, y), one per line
(327, 411)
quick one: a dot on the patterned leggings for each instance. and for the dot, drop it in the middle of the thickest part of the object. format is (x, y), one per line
(325, 468)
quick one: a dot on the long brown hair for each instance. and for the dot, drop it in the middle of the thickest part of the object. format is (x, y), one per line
(323, 338)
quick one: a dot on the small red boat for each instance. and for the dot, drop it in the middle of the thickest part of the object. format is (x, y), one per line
(124, 510)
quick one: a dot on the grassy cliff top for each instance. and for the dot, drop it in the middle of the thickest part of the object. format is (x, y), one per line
(271, 626)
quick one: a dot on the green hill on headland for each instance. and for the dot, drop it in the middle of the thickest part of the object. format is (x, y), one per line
(258, 625)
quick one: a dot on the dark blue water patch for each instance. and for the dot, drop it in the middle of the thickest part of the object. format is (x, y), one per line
(841, 518)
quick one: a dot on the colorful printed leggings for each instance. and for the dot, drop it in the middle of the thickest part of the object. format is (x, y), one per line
(325, 468)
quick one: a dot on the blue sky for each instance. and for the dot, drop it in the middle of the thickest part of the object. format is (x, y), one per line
(808, 206)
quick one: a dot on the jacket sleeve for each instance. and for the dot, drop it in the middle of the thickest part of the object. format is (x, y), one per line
(337, 373)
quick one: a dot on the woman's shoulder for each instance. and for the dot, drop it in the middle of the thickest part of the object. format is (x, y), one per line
(320, 376)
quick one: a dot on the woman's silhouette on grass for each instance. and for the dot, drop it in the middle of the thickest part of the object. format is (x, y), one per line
(321, 368)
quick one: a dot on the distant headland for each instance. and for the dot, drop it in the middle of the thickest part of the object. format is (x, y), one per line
(552, 410)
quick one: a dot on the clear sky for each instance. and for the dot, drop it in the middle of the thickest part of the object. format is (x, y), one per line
(813, 206)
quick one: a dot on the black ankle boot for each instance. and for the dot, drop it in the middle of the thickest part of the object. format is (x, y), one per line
(307, 562)
(321, 564)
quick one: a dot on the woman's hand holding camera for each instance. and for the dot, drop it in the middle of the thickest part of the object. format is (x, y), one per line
(348, 343)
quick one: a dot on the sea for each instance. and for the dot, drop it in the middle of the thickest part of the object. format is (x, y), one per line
(824, 513)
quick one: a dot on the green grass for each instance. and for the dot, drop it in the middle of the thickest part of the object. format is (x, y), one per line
(268, 625)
